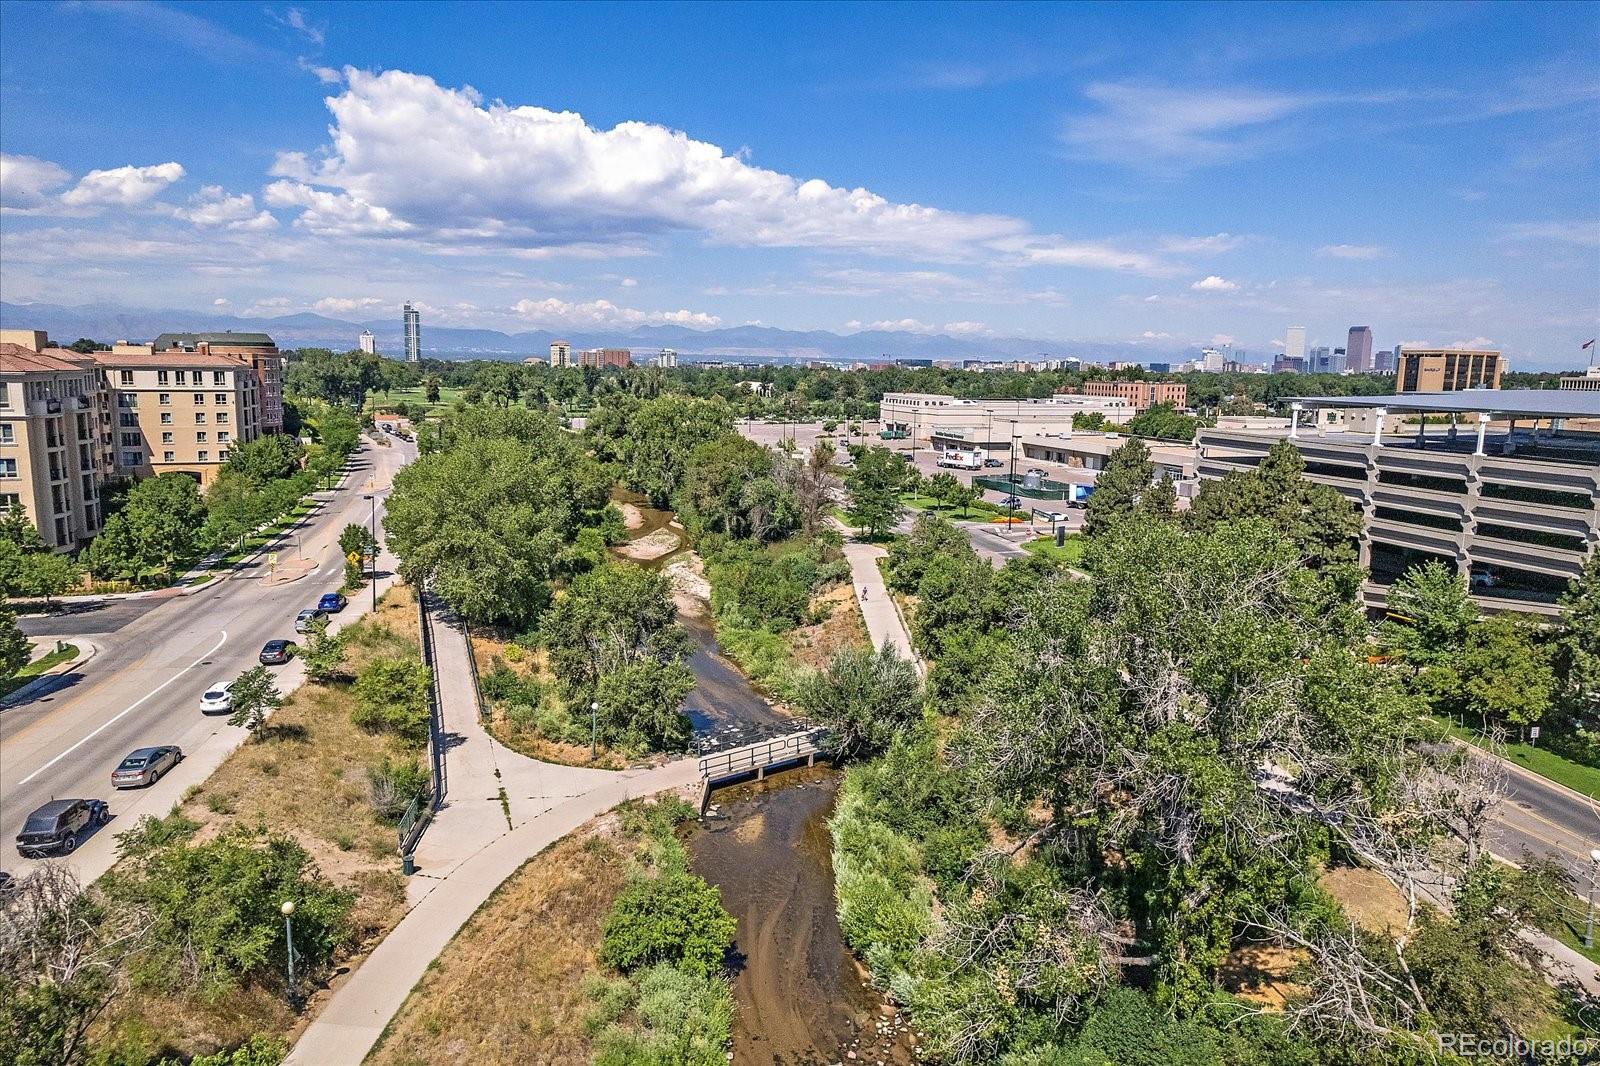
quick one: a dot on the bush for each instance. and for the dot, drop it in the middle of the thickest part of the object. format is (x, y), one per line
(392, 785)
(259, 1051)
(687, 1021)
(392, 696)
(674, 917)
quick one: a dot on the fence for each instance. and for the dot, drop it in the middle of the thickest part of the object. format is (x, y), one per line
(472, 664)
(758, 758)
(416, 819)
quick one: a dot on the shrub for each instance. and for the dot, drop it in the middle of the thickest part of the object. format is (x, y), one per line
(258, 1051)
(392, 785)
(674, 917)
(392, 696)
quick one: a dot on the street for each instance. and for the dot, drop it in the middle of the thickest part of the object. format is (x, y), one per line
(155, 656)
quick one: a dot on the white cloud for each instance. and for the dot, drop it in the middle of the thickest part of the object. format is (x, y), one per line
(1215, 244)
(1143, 124)
(1212, 283)
(296, 20)
(1474, 343)
(212, 206)
(220, 301)
(1353, 251)
(1152, 299)
(900, 325)
(1153, 335)
(127, 186)
(628, 283)
(964, 328)
(1220, 340)
(1585, 233)
(326, 75)
(529, 178)
(25, 184)
(555, 312)
(333, 305)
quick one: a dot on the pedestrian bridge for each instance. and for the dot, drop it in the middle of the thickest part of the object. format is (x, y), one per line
(721, 767)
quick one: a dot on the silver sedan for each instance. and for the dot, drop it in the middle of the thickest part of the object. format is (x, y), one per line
(145, 766)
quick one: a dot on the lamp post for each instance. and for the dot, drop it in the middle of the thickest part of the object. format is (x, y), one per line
(373, 496)
(594, 729)
(1011, 512)
(288, 939)
(1594, 876)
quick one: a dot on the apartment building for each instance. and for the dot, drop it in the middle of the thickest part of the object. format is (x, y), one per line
(1142, 394)
(53, 451)
(1507, 496)
(560, 354)
(177, 410)
(600, 358)
(256, 349)
(1447, 370)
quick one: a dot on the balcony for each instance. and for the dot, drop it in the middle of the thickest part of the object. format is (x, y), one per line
(40, 408)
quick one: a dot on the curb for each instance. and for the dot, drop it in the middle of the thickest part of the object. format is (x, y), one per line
(1523, 771)
(22, 695)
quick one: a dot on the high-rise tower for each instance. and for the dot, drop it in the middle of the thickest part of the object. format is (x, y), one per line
(413, 324)
(1358, 349)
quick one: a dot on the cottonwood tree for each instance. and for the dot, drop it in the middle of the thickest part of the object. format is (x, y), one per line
(864, 699)
(254, 696)
(875, 484)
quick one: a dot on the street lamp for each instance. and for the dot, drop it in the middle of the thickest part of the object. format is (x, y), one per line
(288, 939)
(1011, 512)
(373, 496)
(1594, 876)
(594, 727)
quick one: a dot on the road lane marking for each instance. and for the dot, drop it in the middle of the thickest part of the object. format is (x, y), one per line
(127, 710)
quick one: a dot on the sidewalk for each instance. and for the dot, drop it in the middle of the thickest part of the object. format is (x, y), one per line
(878, 610)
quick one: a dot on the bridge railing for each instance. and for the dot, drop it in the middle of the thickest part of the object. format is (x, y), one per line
(753, 758)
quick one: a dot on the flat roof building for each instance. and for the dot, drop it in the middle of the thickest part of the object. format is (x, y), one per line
(1588, 381)
(917, 416)
(1447, 369)
(1142, 394)
(256, 350)
(1507, 495)
(560, 354)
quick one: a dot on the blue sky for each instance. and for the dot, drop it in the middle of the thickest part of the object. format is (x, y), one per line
(1165, 175)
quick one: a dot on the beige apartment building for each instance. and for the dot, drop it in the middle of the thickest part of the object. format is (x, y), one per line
(178, 411)
(54, 452)
(258, 350)
(1447, 370)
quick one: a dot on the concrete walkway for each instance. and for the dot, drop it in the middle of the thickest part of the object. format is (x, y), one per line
(878, 610)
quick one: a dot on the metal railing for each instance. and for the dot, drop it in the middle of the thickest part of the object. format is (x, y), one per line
(417, 817)
(762, 755)
(477, 680)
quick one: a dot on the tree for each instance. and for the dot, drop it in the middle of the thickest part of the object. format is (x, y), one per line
(1505, 671)
(322, 652)
(875, 484)
(864, 699)
(1578, 654)
(1118, 487)
(254, 696)
(641, 705)
(813, 485)
(728, 487)
(392, 696)
(1163, 420)
(611, 617)
(159, 525)
(14, 644)
(964, 497)
(652, 439)
(1432, 615)
(675, 917)
(357, 539)
(944, 487)
(431, 387)
(1161, 501)
(267, 458)
(47, 574)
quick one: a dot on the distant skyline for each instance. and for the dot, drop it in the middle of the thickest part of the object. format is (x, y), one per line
(1160, 176)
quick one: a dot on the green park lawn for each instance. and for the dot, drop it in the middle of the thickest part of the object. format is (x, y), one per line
(1542, 761)
(981, 510)
(39, 666)
(1070, 552)
(415, 400)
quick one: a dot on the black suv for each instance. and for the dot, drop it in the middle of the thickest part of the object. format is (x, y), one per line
(59, 824)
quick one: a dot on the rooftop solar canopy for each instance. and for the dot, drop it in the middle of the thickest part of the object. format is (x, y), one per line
(1511, 403)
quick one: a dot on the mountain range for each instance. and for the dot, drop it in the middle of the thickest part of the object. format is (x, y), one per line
(110, 322)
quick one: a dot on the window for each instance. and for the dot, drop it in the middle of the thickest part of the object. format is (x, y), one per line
(199, 399)
(166, 438)
(222, 456)
(222, 418)
(8, 468)
(223, 437)
(218, 377)
(167, 457)
(199, 418)
(221, 398)
(9, 500)
(200, 437)
(125, 377)
(164, 399)
(161, 377)
(5, 394)
(166, 418)
(127, 421)
(7, 433)
(133, 458)
(183, 377)
(205, 456)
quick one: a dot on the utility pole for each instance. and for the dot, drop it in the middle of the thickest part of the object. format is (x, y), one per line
(374, 531)
(1011, 512)
(594, 733)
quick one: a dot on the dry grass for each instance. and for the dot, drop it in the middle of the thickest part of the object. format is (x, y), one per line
(509, 988)
(1367, 897)
(489, 647)
(305, 778)
(815, 646)
(1260, 973)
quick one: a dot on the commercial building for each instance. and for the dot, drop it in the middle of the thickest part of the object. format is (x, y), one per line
(368, 343)
(1447, 369)
(1588, 381)
(917, 417)
(1294, 343)
(255, 349)
(560, 354)
(666, 359)
(604, 357)
(1507, 495)
(1327, 361)
(1089, 451)
(1286, 364)
(54, 439)
(1142, 394)
(1358, 349)
(1385, 361)
(411, 320)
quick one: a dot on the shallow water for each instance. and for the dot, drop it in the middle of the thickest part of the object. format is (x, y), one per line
(802, 999)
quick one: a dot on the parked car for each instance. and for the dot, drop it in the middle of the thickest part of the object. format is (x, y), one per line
(276, 652)
(217, 699)
(1013, 502)
(303, 620)
(59, 824)
(331, 603)
(145, 766)
(993, 464)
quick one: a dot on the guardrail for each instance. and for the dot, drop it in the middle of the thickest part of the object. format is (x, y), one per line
(477, 679)
(417, 817)
(758, 758)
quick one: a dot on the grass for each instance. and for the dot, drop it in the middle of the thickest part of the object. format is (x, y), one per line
(509, 988)
(415, 400)
(980, 510)
(1569, 930)
(1070, 552)
(39, 666)
(306, 777)
(1547, 764)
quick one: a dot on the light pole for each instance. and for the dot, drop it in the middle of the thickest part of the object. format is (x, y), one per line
(288, 939)
(373, 496)
(594, 729)
(1594, 876)
(1011, 512)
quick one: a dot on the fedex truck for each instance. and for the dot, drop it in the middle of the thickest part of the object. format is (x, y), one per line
(961, 459)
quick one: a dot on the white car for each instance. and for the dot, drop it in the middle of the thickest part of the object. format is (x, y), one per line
(217, 698)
